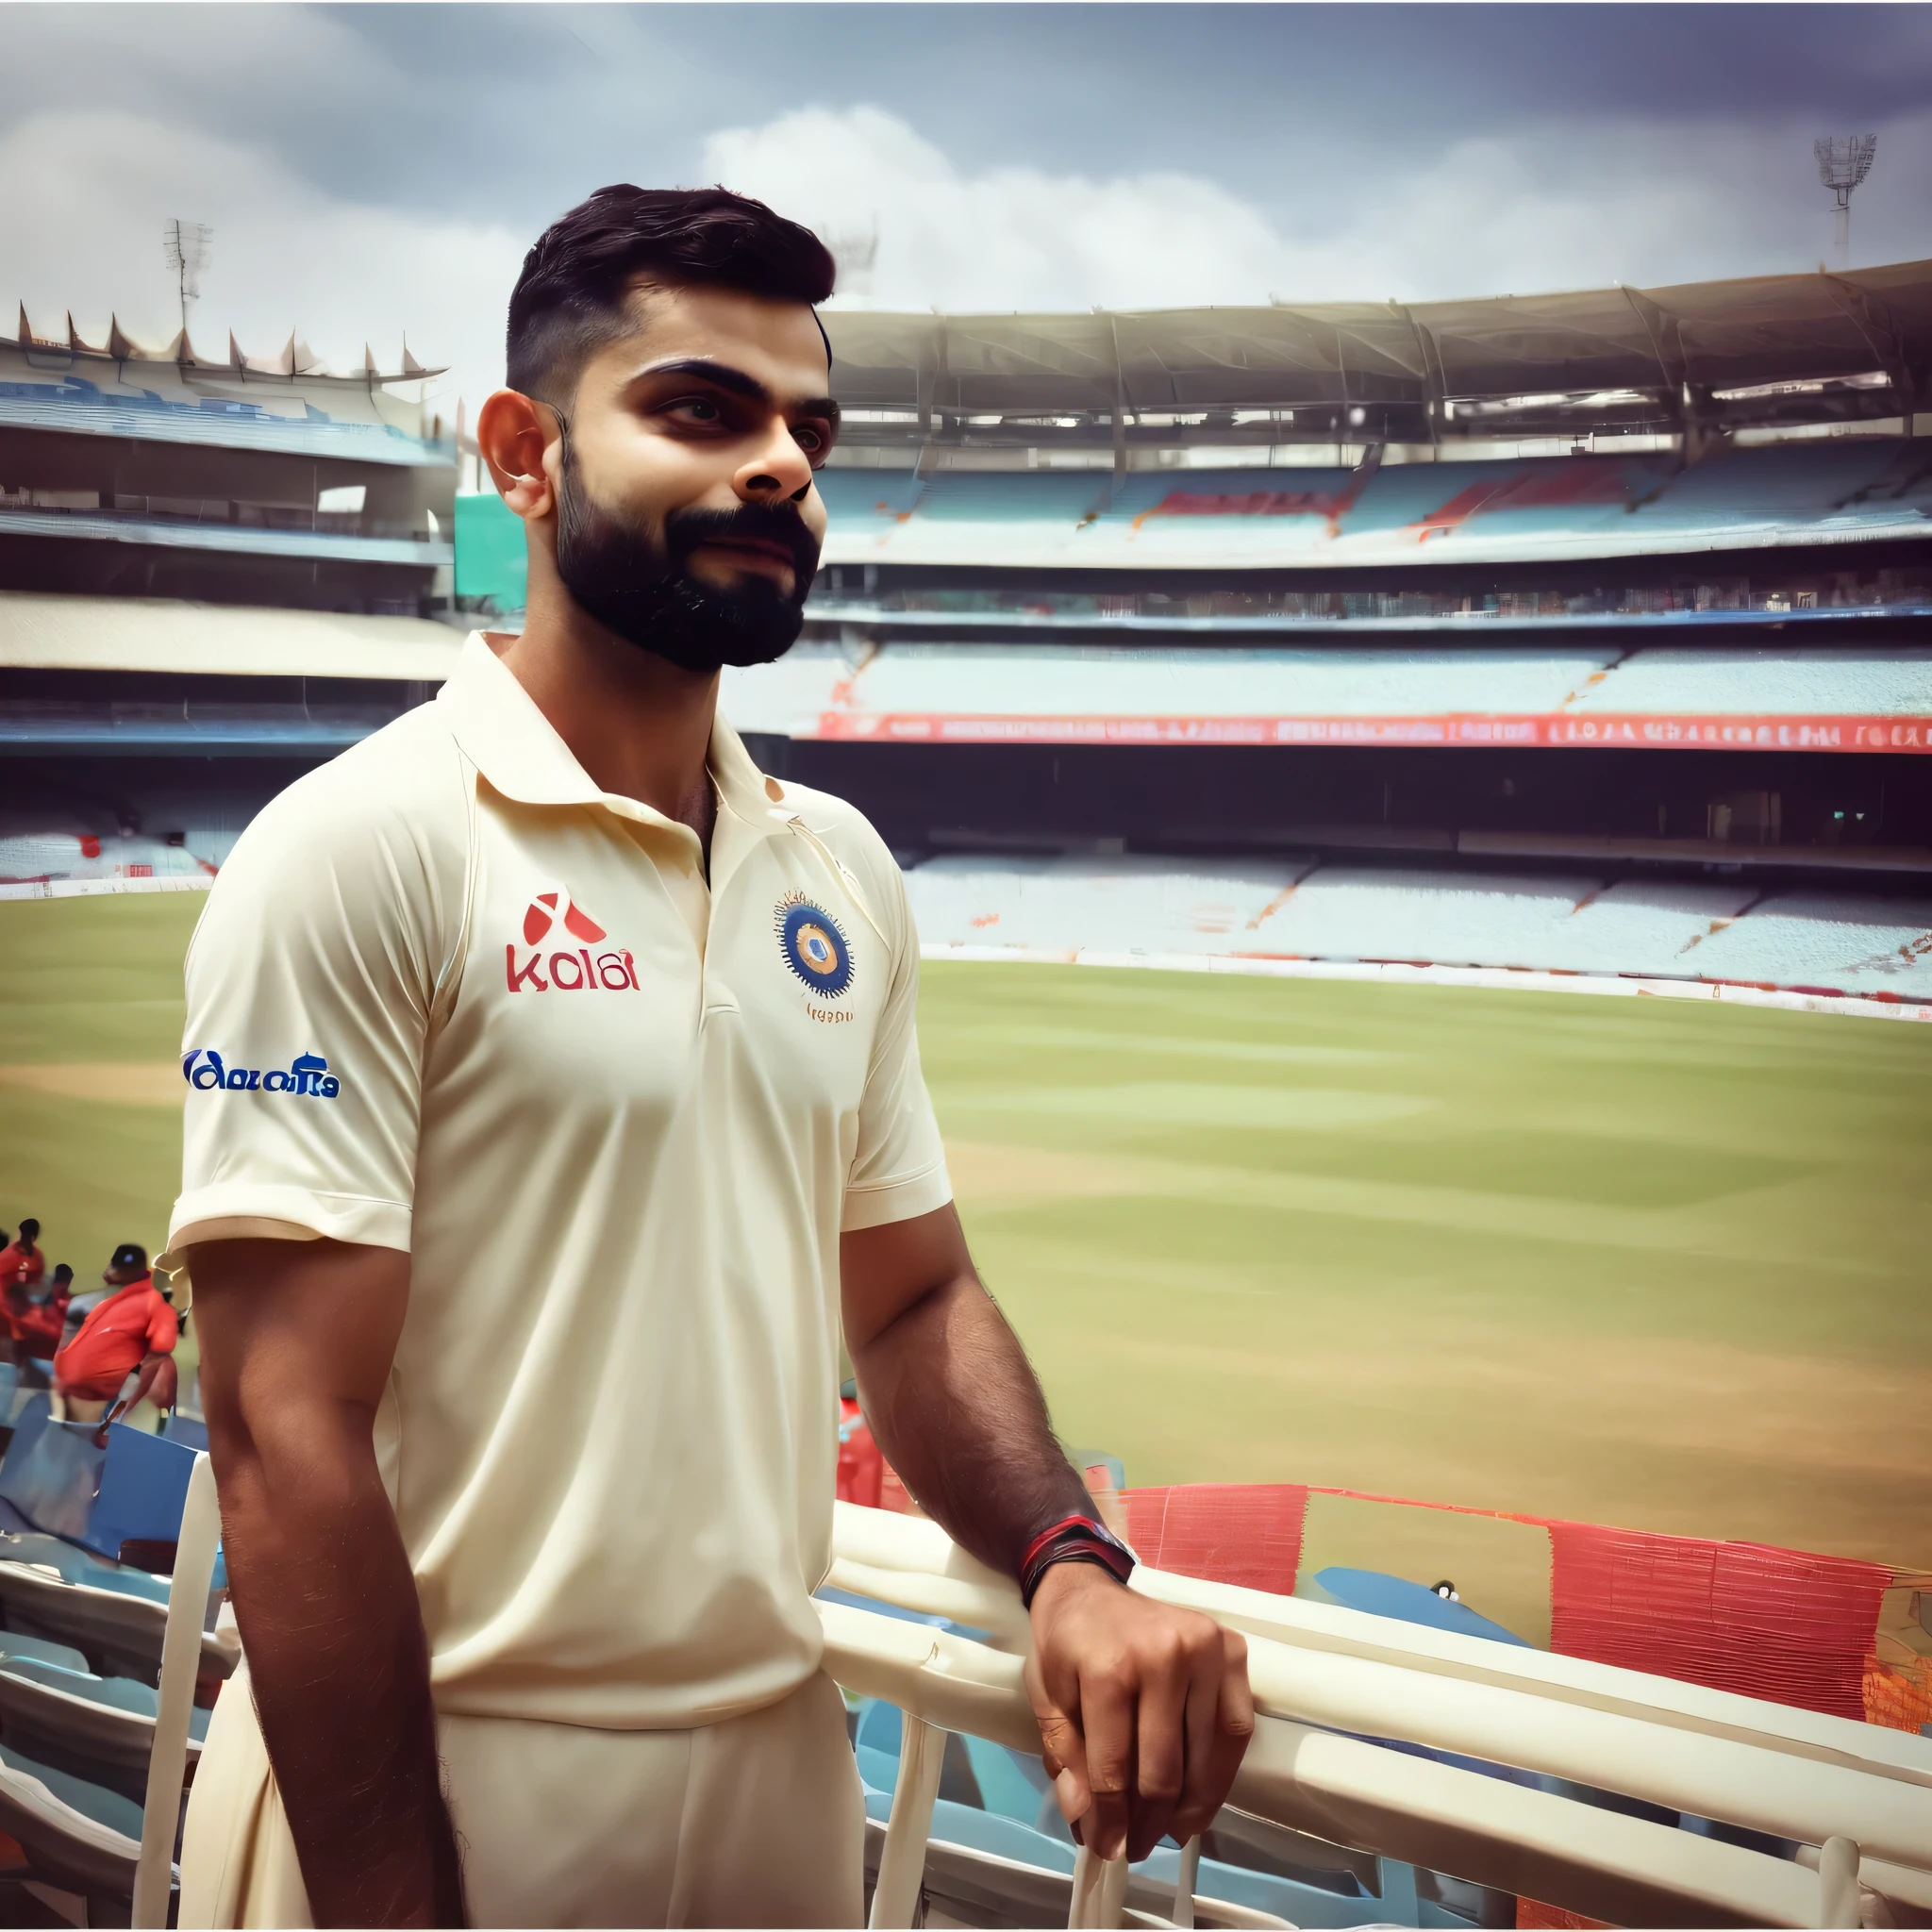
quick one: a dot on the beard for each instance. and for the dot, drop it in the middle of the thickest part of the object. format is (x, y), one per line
(637, 585)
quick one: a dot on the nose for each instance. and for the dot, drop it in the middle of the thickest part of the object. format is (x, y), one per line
(777, 471)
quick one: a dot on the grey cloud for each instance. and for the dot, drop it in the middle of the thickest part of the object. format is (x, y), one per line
(510, 112)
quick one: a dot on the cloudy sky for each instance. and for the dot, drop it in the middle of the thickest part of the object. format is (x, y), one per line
(372, 170)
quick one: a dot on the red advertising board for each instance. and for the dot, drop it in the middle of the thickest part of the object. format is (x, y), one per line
(1632, 730)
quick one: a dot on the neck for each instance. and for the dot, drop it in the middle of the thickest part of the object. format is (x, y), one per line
(640, 726)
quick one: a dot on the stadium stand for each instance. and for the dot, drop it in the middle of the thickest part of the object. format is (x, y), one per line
(1585, 505)
(1827, 939)
(1074, 694)
(1115, 906)
(1410, 513)
(1277, 566)
(169, 471)
(1651, 565)
(214, 572)
(1716, 930)
(853, 496)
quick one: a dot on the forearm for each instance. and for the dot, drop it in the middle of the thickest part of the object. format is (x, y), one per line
(956, 1407)
(333, 1633)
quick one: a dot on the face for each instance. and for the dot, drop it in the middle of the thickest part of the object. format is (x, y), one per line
(688, 519)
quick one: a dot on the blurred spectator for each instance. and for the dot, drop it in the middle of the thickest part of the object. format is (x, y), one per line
(38, 1329)
(130, 1326)
(21, 1263)
(79, 1306)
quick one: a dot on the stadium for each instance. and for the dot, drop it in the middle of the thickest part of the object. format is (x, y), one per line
(1419, 822)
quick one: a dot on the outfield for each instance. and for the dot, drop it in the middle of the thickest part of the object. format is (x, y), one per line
(1631, 1261)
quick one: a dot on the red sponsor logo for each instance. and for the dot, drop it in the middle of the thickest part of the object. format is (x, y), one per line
(563, 968)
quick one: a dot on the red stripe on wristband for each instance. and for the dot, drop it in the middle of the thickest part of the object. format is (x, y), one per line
(1046, 1535)
(1073, 1540)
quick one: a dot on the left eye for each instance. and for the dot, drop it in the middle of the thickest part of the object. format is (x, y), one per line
(700, 408)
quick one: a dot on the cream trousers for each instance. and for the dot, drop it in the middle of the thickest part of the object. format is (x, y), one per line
(757, 1821)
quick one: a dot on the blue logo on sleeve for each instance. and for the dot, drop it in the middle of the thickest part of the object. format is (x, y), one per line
(814, 945)
(204, 1071)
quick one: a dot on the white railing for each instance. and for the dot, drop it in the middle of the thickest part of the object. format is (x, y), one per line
(167, 1764)
(1859, 1794)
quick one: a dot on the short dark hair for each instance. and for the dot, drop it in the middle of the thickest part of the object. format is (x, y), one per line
(30, 1228)
(570, 298)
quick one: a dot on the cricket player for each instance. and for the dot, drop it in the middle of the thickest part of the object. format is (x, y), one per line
(553, 1098)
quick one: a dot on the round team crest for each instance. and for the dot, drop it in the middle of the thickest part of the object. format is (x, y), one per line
(815, 947)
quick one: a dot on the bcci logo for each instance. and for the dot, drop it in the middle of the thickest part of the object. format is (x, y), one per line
(814, 945)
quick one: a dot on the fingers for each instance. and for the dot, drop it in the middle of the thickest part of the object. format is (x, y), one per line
(1196, 1805)
(1063, 1750)
(1165, 1685)
(1229, 1704)
(1145, 1715)
(1106, 1725)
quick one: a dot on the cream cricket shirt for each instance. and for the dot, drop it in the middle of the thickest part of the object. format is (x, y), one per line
(449, 997)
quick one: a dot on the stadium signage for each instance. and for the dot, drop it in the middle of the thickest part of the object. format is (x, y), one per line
(1713, 731)
(206, 1072)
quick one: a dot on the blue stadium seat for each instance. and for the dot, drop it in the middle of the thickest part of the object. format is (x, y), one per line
(1005, 496)
(999, 1830)
(43, 1652)
(858, 496)
(90, 1800)
(1382, 1595)
(1143, 491)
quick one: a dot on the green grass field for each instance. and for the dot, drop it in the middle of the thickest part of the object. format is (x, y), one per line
(1632, 1261)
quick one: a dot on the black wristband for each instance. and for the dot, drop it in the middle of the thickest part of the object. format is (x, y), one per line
(1073, 1540)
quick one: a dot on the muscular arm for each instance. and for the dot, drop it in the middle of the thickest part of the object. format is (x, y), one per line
(949, 1395)
(1144, 1710)
(296, 1342)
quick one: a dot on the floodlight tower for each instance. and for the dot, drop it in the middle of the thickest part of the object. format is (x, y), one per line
(187, 247)
(1841, 165)
(856, 255)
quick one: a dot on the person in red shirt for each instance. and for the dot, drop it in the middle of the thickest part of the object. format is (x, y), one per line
(38, 1325)
(22, 1260)
(22, 1265)
(131, 1328)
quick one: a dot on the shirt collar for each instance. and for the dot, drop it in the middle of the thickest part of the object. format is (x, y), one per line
(505, 734)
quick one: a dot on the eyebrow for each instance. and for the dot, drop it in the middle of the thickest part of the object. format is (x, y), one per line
(723, 375)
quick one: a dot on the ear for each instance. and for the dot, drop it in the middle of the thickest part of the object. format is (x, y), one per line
(515, 433)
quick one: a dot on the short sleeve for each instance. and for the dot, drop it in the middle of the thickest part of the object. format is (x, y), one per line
(311, 980)
(163, 1328)
(899, 1166)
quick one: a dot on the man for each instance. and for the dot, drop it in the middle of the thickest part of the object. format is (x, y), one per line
(553, 1093)
(40, 1327)
(129, 1328)
(22, 1265)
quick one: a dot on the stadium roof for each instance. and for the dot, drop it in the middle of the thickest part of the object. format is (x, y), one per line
(1715, 337)
(294, 359)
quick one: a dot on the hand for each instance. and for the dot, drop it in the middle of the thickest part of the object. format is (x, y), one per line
(1144, 1710)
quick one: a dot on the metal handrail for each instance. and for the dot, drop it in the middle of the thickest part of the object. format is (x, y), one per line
(1318, 1671)
(167, 1764)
